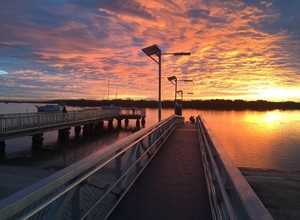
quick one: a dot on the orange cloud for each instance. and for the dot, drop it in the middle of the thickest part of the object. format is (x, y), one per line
(233, 51)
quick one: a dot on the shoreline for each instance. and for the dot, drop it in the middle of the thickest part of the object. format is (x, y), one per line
(211, 104)
(279, 190)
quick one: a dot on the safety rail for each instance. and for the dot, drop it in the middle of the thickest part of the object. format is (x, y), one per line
(19, 122)
(92, 187)
(231, 197)
(133, 111)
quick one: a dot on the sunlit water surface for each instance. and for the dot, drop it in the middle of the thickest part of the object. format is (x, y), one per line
(264, 139)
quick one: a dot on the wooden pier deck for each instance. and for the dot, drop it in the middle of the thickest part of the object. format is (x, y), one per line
(173, 185)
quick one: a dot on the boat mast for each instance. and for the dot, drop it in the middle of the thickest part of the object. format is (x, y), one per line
(108, 90)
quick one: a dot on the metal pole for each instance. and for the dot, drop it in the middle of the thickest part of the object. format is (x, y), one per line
(175, 96)
(108, 90)
(159, 86)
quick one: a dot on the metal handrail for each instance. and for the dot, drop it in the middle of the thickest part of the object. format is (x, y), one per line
(19, 122)
(231, 197)
(17, 125)
(92, 187)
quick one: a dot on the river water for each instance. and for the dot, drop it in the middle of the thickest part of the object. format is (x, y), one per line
(256, 139)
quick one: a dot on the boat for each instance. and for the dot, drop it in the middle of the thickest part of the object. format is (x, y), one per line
(51, 108)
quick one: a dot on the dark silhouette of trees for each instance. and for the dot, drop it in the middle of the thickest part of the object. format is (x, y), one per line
(215, 104)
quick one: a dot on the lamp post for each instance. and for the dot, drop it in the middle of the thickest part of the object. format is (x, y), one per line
(154, 50)
(180, 92)
(174, 80)
(178, 110)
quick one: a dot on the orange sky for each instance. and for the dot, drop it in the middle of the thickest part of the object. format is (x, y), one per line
(240, 49)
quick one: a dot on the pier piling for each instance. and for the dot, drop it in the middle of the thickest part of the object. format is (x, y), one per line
(143, 122)
(64, 133)
(110, 124)
(138, 124)
(119, 123)
(2, 148)
(37, 141)
(126, 122)
(77, 130)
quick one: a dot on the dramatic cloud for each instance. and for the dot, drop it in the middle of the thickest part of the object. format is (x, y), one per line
(74, 49)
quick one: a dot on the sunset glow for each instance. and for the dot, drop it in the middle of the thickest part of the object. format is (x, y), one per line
(77, 49)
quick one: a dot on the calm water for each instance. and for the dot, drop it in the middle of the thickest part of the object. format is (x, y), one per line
(264, 139)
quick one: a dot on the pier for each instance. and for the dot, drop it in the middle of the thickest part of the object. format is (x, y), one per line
(173, 185)
(171, 170)
(35, 124)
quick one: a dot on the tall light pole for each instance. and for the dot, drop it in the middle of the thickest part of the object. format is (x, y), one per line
(180, 92)
(154, 50)
(174, 80)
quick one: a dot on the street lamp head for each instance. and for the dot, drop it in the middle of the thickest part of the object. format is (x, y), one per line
(187, 80)
(182, 54)
(151, 50)
(171, 78)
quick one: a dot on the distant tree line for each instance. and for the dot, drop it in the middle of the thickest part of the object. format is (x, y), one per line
(215, 104)
(241, 105)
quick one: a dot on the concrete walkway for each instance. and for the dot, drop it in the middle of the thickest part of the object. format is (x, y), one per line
(173, 185)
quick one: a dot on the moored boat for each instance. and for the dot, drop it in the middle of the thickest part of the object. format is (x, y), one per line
(51, 108)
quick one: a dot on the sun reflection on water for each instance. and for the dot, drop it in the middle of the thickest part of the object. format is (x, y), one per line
(264, 117)
(265, 139)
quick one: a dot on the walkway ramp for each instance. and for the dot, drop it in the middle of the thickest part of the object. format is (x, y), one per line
(173, 185)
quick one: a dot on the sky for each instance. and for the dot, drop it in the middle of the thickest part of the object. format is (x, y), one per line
(75, 49)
